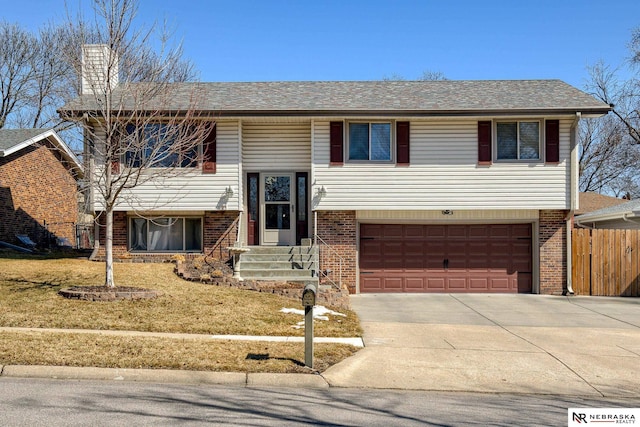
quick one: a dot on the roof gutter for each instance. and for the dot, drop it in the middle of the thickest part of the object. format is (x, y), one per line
(76, 113)
(573, 195)
(581, 220)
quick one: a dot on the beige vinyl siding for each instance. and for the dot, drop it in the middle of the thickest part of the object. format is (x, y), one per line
(443, 174)
(276, 147)
(193, 190)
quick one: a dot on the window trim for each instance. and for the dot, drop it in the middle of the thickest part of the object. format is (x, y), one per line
(392, 142)
(541, 141)
(130, 220)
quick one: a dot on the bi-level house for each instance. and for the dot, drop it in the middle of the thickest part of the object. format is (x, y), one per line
(411, 186)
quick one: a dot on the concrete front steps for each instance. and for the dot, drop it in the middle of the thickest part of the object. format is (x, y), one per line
(279, 263)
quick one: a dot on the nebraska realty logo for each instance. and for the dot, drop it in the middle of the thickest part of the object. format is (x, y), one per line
(602, 416)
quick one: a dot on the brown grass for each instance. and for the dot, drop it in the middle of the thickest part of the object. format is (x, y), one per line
(29, 298)
(73, 349)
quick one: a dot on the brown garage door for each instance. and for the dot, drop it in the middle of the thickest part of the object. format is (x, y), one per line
(445, 258)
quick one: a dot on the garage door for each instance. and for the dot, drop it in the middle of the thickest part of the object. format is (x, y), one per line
(445, 258)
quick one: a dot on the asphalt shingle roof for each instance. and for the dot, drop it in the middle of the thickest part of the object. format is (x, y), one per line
(421, 97)
(591, 201)
(12, 137)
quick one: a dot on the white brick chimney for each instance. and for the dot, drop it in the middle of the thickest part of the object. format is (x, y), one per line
(97, 61)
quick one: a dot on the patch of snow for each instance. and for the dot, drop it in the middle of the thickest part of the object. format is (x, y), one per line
(320, 312)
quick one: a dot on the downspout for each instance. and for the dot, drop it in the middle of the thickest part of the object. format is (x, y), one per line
(573, 183)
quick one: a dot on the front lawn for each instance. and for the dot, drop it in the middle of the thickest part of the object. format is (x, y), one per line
(29, 298)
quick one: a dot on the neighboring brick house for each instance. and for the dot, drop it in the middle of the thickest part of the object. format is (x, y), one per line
(38, 187)
(419, 186)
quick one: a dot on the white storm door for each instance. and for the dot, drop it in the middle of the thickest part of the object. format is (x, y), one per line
(278, 212)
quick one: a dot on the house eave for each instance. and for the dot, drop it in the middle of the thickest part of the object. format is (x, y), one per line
(591, 219)
(521, 112)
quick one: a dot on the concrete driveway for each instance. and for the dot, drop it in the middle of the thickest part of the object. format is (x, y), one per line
(581, 346)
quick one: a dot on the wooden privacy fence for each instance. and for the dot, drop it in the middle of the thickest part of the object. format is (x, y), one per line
(606, 262)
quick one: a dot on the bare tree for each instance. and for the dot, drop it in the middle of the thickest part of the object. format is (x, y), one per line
(426, 75)
(131, 138)
(607, 157)
(16, 70)
(433, 75)
(610, 159)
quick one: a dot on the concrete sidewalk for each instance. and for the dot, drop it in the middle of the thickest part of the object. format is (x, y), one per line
(174, 376)
(496, 344)
(578, 346)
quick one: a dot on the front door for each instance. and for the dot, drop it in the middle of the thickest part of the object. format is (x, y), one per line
(278, 213)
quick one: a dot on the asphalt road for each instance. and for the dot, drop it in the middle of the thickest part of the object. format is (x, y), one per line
(41, 402)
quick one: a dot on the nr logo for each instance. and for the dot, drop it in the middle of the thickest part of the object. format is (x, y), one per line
(579, 418)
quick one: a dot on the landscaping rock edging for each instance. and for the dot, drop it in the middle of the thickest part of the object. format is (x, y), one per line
(329, 296)
(102, 293)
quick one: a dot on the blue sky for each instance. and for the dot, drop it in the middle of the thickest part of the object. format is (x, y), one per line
(243, 40)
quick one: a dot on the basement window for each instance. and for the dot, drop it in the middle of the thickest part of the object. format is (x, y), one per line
(165, 234)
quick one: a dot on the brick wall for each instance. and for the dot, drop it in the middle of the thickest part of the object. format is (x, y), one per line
(216, 223)
(553, 259)
(338, 229)
(36, 189)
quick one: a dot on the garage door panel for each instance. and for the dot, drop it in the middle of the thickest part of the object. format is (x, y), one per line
(414, 232)
(457, 283)
(479, 284)
(414, 284)
(393, 232)
(446, 258)
(479, 232)
(521, 231)
(370, 284)
(371, 230)
(435, 231)
(393, 284)
(459, 232)
(499, 232)
(500, 284)
(435, 283)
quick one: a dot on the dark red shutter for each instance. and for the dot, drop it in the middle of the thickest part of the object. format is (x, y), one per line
(402, 143)
(336, 143)
(552, 141)
(209, 152)
(484, 142)
(115, 166)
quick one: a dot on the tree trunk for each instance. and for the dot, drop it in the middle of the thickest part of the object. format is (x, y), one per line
(108, 249)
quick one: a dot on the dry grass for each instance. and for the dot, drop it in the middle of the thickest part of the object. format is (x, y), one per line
(72, 349)
(29, 298)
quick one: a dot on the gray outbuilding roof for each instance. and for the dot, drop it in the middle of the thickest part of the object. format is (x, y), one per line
(631, 208)
(448, 97)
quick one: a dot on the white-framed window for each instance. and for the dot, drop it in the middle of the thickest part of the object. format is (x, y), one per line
(518, 140)
(370, 141)
(165, 234)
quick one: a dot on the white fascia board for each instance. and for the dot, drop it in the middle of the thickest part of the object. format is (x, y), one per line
(580, 219)
(56, 141)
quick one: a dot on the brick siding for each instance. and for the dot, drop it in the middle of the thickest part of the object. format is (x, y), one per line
(553, 259)
(338, 229)
(38, 195)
